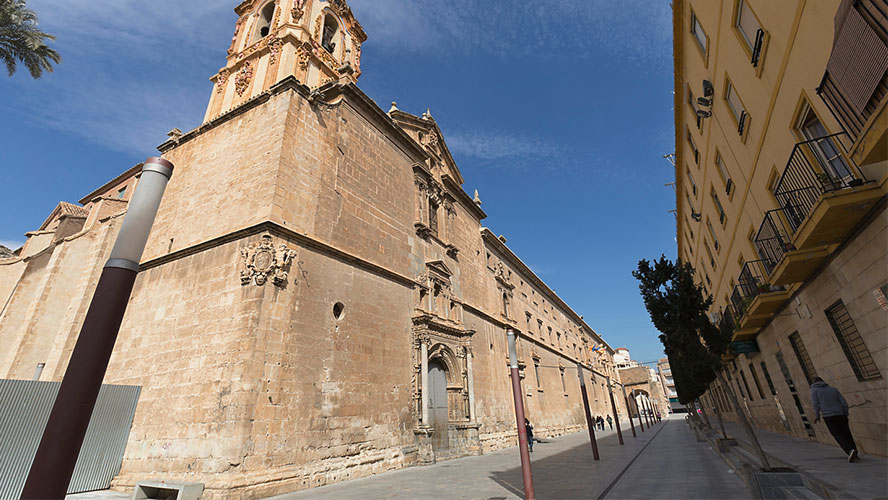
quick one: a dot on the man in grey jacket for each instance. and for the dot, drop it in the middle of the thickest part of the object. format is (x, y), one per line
(827, 400)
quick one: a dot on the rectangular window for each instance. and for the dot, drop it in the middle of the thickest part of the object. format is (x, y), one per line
(768, 379)
(746, 385)
(690, 203)
(709, 253)
(693, 102)
(852, 343)
(691, 178)
(723, 171)
(736, 107)
(699, 34)
(718, 206)
(747, 24)
(755, 378)
(536, 371)
(712, 233)
(694, 150)
(563, 387)
(121, 192)
(433, 218)
(802, 354)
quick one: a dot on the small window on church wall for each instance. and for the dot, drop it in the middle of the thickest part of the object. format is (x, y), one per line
(263, 25)
(505, 304)
(121, 193)
(433, 218)
(435, 296)
(330, 29)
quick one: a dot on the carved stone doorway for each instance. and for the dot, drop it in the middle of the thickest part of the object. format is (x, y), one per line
(438, 407)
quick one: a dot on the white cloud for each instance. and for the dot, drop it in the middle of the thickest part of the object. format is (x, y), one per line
(640, 31)
(131, 70)
(487, 145)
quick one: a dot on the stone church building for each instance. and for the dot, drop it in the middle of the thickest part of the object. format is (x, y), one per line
(319, 299)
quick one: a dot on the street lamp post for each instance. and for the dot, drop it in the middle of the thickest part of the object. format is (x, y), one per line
(63, 436)
(610, 390)
(519, 416)
(628, 410)
(588, 412)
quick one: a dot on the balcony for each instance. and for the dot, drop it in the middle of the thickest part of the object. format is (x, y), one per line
(774, 245)
(755, 299)
(855, 84)
(823, 193)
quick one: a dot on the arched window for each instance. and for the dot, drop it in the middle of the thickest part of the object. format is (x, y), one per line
(330, 29)
(263, 24)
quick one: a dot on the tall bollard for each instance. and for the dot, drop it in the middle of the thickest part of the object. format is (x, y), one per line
(628, 410)
(645, 402)
(637, 412)
(63, 436)
(610, 391)
(588, 412)
(519, 416)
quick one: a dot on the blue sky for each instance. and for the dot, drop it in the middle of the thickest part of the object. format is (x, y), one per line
(558, 112)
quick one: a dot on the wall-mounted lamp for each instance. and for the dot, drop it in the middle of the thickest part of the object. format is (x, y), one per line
(702, 101)
(702, 113)
(708, 91)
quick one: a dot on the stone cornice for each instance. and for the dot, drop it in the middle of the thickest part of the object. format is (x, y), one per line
(513, 259)
(134, 170)
(283, 232)
(463, 197)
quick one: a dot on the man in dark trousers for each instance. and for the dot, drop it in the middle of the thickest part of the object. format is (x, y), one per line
(610, 422)
(529, 429)
(827, 400)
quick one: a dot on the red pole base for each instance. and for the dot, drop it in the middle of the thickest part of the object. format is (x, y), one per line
(522, 436)
(63, 436)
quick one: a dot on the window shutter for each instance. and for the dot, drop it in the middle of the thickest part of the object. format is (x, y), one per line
(757, 47)
(728, 186)
(742, 124)
(858, 61)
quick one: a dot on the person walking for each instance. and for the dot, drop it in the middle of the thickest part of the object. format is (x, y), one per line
(659, 418)
(610, 422)
(828, 401)
(529, 428)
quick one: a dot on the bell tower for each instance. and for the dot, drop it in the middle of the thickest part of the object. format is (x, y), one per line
(316, 41)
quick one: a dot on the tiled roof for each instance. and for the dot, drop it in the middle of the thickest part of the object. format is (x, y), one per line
(71, 209)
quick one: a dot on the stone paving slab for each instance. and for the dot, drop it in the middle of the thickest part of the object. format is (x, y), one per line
(865, 478)
(563, 468)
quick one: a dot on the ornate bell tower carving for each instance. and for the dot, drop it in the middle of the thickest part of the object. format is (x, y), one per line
(315, 41)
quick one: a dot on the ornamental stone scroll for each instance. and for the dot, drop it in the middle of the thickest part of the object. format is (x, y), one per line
(262, 261)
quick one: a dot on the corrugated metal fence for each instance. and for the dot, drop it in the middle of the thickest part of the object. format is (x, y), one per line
(25, 406)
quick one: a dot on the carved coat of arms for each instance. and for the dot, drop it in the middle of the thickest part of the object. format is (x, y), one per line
(262, 261)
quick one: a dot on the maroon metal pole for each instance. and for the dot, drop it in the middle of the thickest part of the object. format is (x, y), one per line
(644, 404)
(519, 417)
(610, 390)
(628, 410)
(638, 412)
(588, 413)
(63, 436)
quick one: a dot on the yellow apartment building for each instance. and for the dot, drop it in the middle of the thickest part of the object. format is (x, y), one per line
(781, 188)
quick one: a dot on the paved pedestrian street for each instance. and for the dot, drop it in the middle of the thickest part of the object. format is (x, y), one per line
(664, 461)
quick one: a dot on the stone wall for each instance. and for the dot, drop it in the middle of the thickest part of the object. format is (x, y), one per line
(851, 276)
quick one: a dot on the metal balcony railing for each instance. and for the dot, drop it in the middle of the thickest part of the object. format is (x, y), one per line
(752, 282)
(815, 167)
(728, 324)
(774, 237)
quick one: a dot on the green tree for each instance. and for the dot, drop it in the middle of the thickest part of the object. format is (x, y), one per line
(21, 40)
(679, 310)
